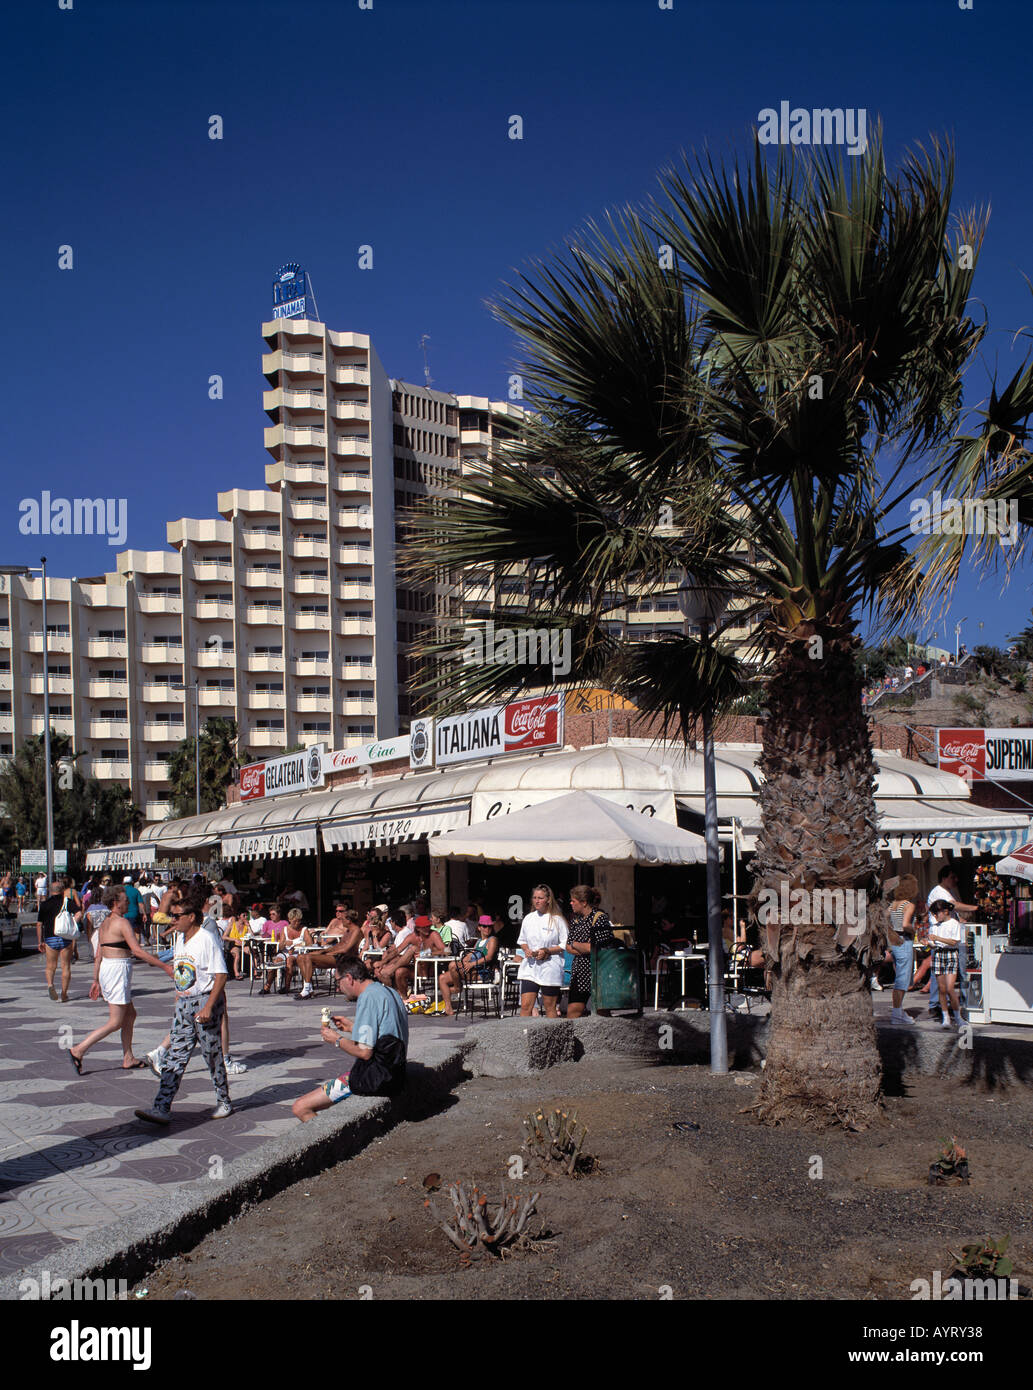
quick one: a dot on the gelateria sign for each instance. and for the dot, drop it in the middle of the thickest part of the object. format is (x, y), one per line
(297, 772)
(987, 755)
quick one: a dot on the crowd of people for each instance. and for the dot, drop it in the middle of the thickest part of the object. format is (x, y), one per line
(201, 935)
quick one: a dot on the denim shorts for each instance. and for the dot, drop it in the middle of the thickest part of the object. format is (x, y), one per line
(904, 963)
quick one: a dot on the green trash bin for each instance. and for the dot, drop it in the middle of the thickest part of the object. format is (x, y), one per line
(616, 978)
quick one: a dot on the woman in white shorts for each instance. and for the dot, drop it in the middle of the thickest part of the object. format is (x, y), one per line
(115, 945)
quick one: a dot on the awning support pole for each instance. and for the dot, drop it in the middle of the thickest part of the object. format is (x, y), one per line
(319, 877)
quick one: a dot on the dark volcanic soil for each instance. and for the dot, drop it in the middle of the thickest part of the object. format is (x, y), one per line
(726, 1211)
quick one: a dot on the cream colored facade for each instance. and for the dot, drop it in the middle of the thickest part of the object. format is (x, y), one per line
(285, 611)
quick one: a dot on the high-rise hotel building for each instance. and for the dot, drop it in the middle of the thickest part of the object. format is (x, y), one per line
(285, 611)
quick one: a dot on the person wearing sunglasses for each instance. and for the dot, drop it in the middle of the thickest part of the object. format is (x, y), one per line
(199, 973)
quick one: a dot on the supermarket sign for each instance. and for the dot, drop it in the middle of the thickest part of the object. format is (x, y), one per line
(525, 726)
(986, 755)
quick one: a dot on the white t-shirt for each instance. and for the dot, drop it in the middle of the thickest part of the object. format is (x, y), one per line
(255, 925)
(938, 894)
(402, 936)
(195, 963)
(949, 929)
(538, 931)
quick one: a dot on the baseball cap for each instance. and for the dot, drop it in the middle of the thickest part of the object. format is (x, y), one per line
(128, 879)
(382, 907)
(422, 921)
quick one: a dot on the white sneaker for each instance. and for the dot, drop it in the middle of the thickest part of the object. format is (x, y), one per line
(222, 1110)
(899, 1016)
(876, 985)
(306, 992)
(156, 1060)
(234, 1068)
(945, 1022)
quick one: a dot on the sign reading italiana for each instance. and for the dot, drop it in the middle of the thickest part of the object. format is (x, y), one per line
(522, 726)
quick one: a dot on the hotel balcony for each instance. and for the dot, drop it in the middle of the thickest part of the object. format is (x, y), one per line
(160, 603)
(263, 579)
(354, 555)
(96, 647)
(295, 473)
(310, 668)
(349, 589)
(157, 692)
(310, 622)
(261, 541)
(304, 509)
(156, 771)
(214, 657)
(265, 663)
(350, 410)
(160, 655)
(353, 482)
(310, 550)
(358, 518)
(352, 446)
(266, 742)
(350, 376)
(62, 685)
(6, 680)
(107, 728)
(214, 699)
(157, 810)
(279, 398)
(307, 584)
(276, 436)
(264, 617)
(355, 627)
(298, 363)
(109, 770)
(207, 609)
(312, 704)
(207, 572)
(34, 643)
(265, 699)
(354, 671)
(163, 733)
(358, 706)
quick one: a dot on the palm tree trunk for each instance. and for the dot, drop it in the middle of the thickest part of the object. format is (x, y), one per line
(819, 833)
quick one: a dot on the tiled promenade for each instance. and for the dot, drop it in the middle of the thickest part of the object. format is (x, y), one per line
(74, 1157)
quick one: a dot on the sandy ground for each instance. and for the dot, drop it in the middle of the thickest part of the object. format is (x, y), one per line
(728, 1210)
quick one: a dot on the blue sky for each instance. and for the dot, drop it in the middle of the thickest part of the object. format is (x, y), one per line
(389, 127)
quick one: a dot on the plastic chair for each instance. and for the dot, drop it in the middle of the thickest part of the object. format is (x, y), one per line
(489, 991)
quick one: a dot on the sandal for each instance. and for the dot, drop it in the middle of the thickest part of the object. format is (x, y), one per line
(76, 1062)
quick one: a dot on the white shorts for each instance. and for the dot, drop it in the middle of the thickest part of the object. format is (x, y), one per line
(116, 981)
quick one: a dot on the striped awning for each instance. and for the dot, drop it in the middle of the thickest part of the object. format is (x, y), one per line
(409, 823)
(270, 844)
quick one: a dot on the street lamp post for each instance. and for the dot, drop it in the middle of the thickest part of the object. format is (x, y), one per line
(46, 734)
(702, 608)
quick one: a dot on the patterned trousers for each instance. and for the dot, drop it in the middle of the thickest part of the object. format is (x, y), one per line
(186, 1034)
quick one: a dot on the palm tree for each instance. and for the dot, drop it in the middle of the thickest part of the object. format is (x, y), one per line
(741, 358)
(220, 761)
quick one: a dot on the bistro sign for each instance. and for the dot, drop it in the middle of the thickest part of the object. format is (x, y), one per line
(987, 755)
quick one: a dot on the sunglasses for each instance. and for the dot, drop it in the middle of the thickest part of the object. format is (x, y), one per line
(181, 914)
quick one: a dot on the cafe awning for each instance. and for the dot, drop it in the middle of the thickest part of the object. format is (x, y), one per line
(579, 828)
(1018, 864)
(146, 854)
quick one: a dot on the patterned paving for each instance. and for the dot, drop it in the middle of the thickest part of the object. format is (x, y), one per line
(74, 1157)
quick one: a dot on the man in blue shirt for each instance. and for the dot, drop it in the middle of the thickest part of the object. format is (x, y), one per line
(377, 1037)
(133, 910)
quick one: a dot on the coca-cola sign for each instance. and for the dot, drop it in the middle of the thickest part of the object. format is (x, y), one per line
(987, 755)
(252, 781)
(534, 724)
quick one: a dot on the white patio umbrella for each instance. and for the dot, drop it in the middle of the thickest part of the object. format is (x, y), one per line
(578, 828)
(1018, 864)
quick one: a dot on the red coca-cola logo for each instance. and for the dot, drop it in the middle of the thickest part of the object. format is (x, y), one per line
(532, 722)
(252, 781)
(963, 752)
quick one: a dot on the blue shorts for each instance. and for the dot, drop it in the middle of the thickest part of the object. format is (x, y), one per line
(58, 943)
(336, 1090)
(904, 963)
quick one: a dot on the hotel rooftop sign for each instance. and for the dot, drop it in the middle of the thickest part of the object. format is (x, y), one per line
(290, 293)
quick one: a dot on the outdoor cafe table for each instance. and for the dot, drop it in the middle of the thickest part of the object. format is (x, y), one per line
(682, 959)
(421, 962)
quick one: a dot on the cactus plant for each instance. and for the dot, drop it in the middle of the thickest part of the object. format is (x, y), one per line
(553, 1142)
(951, 1167)
(479, 1229)
(985, 1258)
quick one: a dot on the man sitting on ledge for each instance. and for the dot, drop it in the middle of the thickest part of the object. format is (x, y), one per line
(378, 1037)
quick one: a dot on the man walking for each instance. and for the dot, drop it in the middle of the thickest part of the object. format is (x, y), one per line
(199, 972)
(377, 1037)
